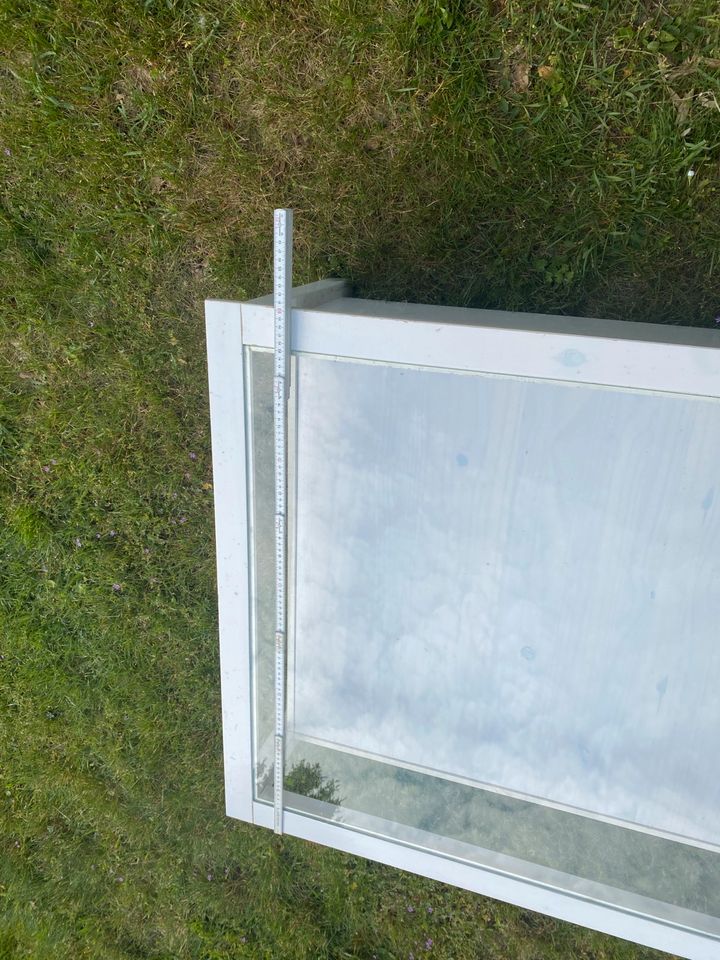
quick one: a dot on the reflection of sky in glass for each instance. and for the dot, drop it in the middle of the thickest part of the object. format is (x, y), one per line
(514, 583)
(263, 522)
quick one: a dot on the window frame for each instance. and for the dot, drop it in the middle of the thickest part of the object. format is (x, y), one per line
(326, 322)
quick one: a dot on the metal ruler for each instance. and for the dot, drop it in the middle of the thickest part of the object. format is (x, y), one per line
(282, 235)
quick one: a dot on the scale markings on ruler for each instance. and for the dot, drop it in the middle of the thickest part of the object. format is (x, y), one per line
(282, 237)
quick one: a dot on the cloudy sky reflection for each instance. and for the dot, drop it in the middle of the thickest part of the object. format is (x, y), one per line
(513, 582)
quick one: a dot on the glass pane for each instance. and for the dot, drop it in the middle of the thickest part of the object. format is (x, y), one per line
(509, 587)
(262, 503)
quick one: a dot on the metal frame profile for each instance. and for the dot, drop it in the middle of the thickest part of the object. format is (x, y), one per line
(325, 321)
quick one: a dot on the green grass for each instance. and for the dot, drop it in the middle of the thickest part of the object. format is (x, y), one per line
(531, 155)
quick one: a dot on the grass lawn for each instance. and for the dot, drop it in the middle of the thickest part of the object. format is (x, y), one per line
(546, 155)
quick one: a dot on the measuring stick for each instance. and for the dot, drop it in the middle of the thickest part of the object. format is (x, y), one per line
(281, 387)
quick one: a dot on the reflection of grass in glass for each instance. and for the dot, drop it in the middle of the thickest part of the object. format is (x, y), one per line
(573, 844)
(308, 780)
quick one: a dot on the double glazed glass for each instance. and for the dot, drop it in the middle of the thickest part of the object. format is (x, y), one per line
(504, 625)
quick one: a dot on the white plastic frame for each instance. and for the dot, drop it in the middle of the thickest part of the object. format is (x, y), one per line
(326, 321)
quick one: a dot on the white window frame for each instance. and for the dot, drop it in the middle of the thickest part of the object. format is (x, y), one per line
(325, 321)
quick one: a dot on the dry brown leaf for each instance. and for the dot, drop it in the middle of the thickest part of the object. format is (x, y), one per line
(688, 67)
(140, 76)
(546, 71)
(682, 106)
(520, 77)
(708, 100)
(682, 69)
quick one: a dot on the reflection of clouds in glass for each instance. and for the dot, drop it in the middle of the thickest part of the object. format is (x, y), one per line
(263, 478)
(514, 583)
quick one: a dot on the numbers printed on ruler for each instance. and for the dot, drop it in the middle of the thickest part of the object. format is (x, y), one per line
(281, 383)
(280, 574)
